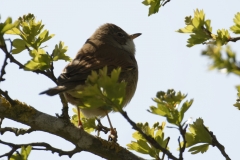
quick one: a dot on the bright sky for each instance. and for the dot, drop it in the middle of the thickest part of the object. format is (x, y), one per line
(163, 58)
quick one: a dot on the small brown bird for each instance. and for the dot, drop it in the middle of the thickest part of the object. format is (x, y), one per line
(108, 46)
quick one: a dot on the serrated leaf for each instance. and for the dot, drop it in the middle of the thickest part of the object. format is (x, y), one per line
(167, 106)
(59, 52)
(199, 28)
(102, 91)
(236, 27)
(201, 148)
(142, 146)
(186, 105)
(41, 61)
(154, 6)
(222, 36)
(197, 134)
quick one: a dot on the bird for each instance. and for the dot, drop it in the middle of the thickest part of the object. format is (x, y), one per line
(109, 46)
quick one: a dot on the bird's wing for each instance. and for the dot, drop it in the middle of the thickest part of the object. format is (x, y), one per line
(76, 72)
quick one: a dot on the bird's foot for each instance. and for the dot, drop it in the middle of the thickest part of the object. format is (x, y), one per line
(113, 135)
(102, 128)
(80, 125)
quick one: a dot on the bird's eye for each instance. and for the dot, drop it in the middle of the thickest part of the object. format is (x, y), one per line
(120, 34)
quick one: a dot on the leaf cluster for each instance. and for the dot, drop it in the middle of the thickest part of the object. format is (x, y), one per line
(224, 61)
(31, 37)
(154, 5)
(141, 145)
(102, 90)
(5, 27)
(237, 104)
(168, 106)
(197, 135)
(200, 30)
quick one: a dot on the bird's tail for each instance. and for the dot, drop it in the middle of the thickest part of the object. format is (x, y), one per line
(55, 90)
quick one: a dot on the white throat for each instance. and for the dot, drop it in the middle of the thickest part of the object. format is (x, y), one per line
(129, 47)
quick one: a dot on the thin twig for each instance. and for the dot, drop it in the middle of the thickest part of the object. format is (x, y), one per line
(183, 147)
(17, 131)
(21, 66)
(1, 120)
(231, 39)
(148, 138)
(234, 39)
(64, 114)
(47, 147)
(217, 144)
(165, 147)
(3, 68)
(5, 94)
(166, 2)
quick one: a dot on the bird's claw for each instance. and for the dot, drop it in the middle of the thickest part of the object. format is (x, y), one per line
(113, 135)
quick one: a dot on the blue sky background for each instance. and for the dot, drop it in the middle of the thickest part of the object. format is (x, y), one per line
(163, 58)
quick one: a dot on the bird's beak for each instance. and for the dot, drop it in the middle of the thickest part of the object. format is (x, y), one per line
(133, 36)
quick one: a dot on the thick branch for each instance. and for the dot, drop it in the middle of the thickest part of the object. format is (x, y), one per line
(43, 122)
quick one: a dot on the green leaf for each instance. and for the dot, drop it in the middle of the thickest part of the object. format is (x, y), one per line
(225, 61)
(30, 31)
(41, 61)
(237, 104)
(167, 106)
(222, 37)
(19, 45)
(199, 28)
(186, 105)
(14, 31)
(7, 25)
(236, 27)
(141, 145)
(23, 155)
(102, 91)
(198, 134)
(154, 6)
(59, 52)
(201, 148)
(89, 124)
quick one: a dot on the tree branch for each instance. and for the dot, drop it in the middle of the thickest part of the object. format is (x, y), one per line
(3, 68)
(166, 2)
(148, 138)
(17, 131)
(234, 39)
(82, 140)
(217, 144)
(5, 94)
(47, 147)
(21, 66)
(182, 132)
(231, 39)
